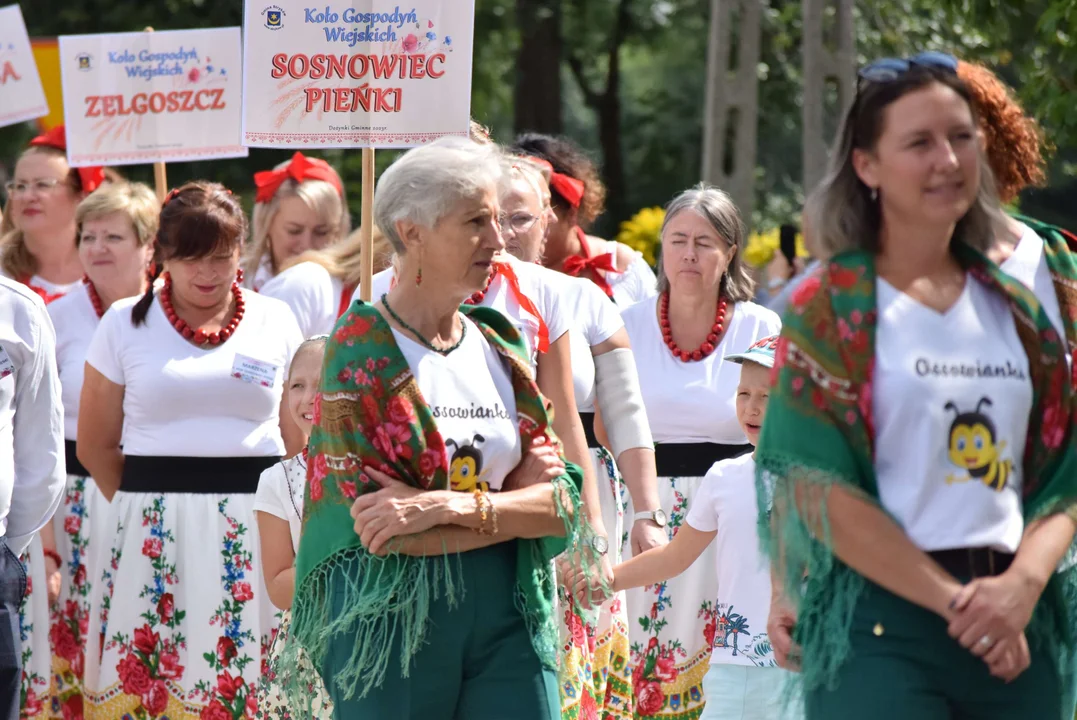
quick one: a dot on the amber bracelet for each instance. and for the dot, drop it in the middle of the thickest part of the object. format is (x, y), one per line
(483, 508)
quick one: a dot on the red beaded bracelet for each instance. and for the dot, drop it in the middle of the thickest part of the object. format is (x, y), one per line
(55, 556)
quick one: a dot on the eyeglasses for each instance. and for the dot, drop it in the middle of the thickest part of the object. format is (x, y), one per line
(41, 186)
(889, 69)
(519, 223)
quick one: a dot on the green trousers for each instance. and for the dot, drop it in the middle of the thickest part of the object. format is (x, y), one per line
(904, 665)
(477, 664)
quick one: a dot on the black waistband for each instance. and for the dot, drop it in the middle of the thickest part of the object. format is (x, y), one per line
(74, 467)
(693, 459)
(968, 563)
(198, 475)
(588, 420)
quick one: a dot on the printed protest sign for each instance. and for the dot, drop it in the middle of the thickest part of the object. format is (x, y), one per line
(364, 73)
(21, 95)
(152, 96)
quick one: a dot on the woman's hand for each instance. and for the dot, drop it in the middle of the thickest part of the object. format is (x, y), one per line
(991, 609)
(780, 624)
(540, 464)
(1009, 658)
(584, 582)
(646, 535)
(397, 509)
(53, 580)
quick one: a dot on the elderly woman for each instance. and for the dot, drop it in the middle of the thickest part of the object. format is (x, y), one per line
(117, 226)
(431, 435)
(927, 495)
(603, 376)
(680, 340)
(299, 205)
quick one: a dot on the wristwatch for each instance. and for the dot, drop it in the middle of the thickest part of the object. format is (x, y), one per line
(599, 544)
(658, 517)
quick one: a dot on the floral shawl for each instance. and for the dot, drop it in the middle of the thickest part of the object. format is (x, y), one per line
(819, 433)
(370, 412)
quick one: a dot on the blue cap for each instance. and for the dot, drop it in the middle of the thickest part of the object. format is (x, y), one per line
(761, 352)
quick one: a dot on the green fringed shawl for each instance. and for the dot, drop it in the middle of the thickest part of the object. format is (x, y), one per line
(370, 412)
(818, 433)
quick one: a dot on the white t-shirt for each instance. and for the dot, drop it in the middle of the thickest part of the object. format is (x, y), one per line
(949, 387)
(1028, 264)
(635, 284)
(540, 285)
(726, 502)
(182, 400)
(691, 402)
(75, 320)
(470, 393)
(280, 493)
(312, 294)
(594, 320)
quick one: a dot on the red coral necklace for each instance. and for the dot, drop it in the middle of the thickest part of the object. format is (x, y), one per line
(200, 336)
(708, 345)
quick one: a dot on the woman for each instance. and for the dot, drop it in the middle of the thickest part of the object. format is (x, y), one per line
(578, 198)
(319, 284)
(45, 191)
(459, 477)
(187, 378)
(701, 315)
(918, 440)
(116, 227)
(603, 369)
(299, 205)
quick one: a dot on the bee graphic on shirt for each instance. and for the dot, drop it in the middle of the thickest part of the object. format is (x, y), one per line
(975, 448)
(465, 468)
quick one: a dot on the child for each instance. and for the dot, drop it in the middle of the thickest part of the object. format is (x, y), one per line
(278, 505)
(744, 681)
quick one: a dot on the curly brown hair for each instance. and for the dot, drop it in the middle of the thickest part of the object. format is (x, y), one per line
(1015, 141)
(568, 159)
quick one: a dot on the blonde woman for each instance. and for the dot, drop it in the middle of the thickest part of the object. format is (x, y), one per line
(318, 285)
(299, 205)
(116, 228)
(39, 251)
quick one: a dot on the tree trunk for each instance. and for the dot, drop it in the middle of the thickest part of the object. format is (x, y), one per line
(537, 95)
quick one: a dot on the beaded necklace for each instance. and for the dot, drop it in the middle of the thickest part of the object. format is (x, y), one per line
(422, 340)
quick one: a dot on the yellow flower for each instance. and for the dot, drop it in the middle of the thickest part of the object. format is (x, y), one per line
(642, 232)
(762, 246)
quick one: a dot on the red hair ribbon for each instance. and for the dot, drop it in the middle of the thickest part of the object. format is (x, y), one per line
(171, 196)
(299, 168)
(91, 176)
(576, 264)
(566, 186)
(542, 339)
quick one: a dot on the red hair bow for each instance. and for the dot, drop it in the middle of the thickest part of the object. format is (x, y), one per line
(299, 168)
(566, 186)
(91, 176)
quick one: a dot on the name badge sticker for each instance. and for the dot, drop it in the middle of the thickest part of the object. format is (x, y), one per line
(6, 366)
(254, 371)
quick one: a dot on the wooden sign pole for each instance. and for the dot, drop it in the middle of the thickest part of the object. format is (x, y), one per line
(366, 224)
(160, 178)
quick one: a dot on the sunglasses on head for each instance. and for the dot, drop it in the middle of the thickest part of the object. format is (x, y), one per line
(888, 69)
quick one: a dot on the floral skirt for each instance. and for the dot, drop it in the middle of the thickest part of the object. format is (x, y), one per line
(594, 644)
(180, 609)
(672, 625)
(272, 703)
(34, 693)
(81, 526)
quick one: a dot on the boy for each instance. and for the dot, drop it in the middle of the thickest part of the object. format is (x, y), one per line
(744, 680)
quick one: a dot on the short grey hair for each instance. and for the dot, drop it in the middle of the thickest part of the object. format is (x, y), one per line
(717, 208)
(425, 183)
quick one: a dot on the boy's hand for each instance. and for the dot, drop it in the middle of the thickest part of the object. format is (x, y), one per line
(780, 624)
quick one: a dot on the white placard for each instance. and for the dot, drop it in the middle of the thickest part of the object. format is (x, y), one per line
(152, 96)
(359, 73)
(21, 95)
